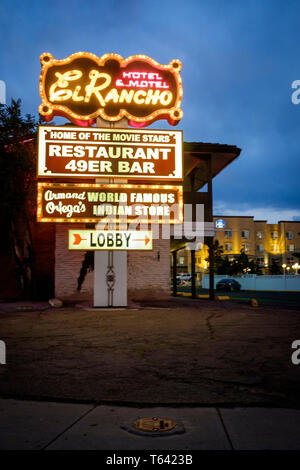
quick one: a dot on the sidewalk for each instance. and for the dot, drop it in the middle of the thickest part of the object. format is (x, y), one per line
(46, 425)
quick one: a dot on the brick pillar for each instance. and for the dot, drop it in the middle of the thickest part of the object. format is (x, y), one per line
(68, 264)
(149, 272)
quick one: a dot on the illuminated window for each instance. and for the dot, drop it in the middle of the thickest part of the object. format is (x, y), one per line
(181, 260)
(289, 235)
(245, 233)
(228, 246)
(245, 247)
(228, 233)
(274, 235)
(260, 235)
(291, 247)
(260, 247)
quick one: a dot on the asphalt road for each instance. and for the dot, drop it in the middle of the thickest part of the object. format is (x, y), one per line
(290, 300)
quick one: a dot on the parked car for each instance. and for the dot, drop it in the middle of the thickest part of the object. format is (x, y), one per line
(228, 284)
(183, 278)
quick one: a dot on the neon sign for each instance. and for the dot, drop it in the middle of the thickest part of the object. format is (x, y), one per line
(93, 152)
(83, 87)
(109, 203)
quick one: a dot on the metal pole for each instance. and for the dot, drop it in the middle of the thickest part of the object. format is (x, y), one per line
(211, 269)
(174, 255)
(193, 274)
(211, 240)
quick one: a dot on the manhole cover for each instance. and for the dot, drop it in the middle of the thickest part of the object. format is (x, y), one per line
(154, 424)
(154, 427)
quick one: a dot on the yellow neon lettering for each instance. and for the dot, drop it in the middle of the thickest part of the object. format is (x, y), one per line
(126, 96)
(75, 94)
(63, 82)
(136, 98)
(112, 95)
(91, 88)
(152, 97)
(165, 97)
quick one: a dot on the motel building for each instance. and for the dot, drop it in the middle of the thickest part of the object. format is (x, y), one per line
(264, 242)
(267, 243)
(104, 176)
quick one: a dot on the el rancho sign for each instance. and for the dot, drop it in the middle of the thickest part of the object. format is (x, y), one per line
(83, 87)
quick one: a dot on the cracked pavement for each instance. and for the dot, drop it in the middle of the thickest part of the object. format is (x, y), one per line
(198, 353)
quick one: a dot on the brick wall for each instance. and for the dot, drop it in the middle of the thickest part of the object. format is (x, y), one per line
(43, 236)
(67, 269)
(148, 271)
(148, 277)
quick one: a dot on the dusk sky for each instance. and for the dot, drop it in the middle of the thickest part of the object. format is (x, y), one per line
(239, 61)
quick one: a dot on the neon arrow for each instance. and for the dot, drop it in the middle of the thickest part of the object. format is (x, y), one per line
(146, 240)
(77, 239)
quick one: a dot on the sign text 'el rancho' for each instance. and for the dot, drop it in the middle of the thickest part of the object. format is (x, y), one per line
(83, 87)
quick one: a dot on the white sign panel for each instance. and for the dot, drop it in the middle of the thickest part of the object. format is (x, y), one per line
(110, 240)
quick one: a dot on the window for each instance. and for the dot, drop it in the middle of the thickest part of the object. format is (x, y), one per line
(245, 247)
(260, 247)
(228, 246)
(260, 261)
(289, 235)
(245, 234)
(260, 235)
(291, 247)
(181, 260)
(228, 233)
(274, 235)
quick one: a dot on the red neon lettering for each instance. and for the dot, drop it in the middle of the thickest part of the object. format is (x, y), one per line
(141, 80)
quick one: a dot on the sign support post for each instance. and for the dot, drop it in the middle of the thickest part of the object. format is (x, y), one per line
(110, 268)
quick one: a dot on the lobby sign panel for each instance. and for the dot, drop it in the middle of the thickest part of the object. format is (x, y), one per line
(110, 240)
(95, 152)
(109, 203)
(84, 86)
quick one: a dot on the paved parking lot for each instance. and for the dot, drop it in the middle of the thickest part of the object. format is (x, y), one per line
(192, 352)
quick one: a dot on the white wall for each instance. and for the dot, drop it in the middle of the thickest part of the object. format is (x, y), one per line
(254, 282)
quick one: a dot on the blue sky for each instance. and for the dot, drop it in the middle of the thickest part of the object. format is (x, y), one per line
(239, 60)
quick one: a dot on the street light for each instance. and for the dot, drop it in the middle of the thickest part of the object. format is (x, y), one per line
(284, 266)
(296, 266)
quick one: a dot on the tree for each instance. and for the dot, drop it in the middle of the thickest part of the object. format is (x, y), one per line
(218, 259)
(240, 265)
(275, 267)
(255, 267)
(18, 188)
